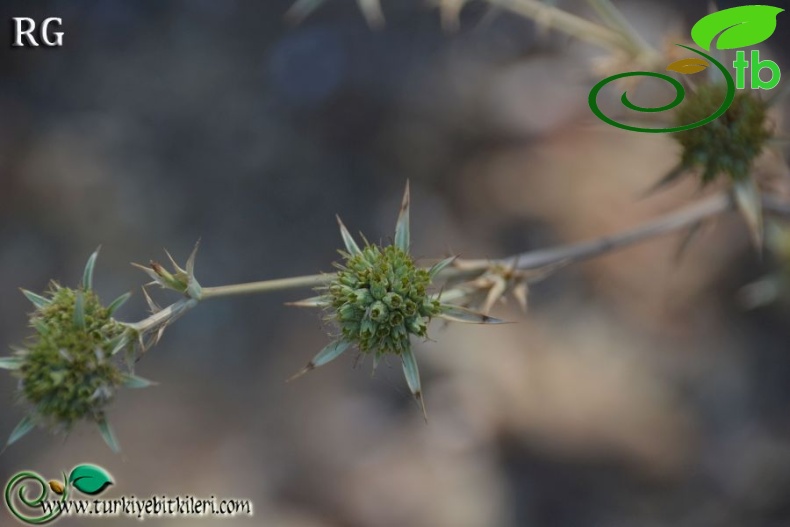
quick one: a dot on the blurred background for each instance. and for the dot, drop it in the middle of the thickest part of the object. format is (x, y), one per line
(635, 392)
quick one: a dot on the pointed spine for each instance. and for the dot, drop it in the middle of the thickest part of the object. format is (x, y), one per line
(402, 228)
(328, 354)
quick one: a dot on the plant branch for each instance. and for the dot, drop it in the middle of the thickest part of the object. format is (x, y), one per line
(266, 286)
(569, 253)
(574, 252)
(165, 316)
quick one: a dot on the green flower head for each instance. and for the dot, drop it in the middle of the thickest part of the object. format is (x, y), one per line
(728, 145)
(379, 298)
(68, 370)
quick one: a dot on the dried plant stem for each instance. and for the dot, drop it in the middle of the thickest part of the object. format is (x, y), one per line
(566, 22)
(615, 19)
(674, 221)
(684, 218)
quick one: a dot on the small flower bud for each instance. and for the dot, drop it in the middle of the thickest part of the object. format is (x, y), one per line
(393, 300)
(417, 326)
(378, 311)
(378, 289)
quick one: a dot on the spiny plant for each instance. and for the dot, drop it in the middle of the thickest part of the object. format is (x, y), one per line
(379, 299)
(71, 368)
(725, 149)
(73, 365)
(729, 145)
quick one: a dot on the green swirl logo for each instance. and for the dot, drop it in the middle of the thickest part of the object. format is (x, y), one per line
(732, 28)
(31, 503)
(680, 95)
(88, 479)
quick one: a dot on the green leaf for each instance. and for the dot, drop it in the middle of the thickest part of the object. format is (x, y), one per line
(461, 314)
(37, 300)
(402, 228)
(79, 310)
(328, 354)
(87, 275)
(119, 343)
(133, 381)
(348, 240)
(412, 374)
(190, 270)
(108, 435)
(22, 429)
(439, 267)
(90, 479)
(118, 302)
(739, 27)
(10, 363)
(316, 301)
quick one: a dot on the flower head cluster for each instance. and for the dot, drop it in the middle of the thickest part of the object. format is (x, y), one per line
(379, 298)
(728, 145)
(66, 371)
(69, 370)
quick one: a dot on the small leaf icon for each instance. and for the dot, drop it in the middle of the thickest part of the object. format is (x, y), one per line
(739, 27)
(688, 66)
(90, 479)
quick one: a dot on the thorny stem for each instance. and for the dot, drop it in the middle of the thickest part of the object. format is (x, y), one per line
(574, 252)
(563, 254)
(164, 316)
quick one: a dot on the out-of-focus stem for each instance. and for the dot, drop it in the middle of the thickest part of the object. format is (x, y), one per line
(674, 221)
(615, 19)
(566, 22)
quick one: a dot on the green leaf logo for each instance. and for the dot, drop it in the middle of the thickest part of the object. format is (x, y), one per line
(90, 479)
(739, 27)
